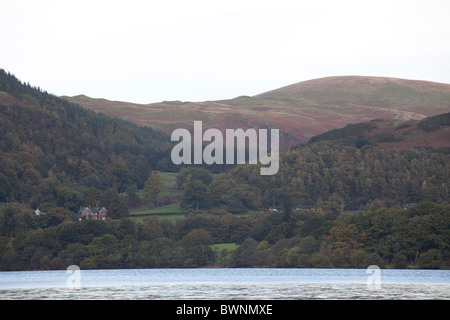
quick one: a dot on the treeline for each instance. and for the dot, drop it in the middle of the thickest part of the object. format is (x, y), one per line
(415, 237)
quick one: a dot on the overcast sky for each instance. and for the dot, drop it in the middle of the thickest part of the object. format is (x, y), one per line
(195, 50)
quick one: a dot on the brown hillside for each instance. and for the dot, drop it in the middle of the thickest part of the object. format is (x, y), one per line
(300, 111)
(422, 97)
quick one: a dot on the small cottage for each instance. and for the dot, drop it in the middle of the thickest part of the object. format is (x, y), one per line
(39, 212)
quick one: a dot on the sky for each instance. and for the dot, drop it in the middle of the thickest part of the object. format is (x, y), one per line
(198, 50)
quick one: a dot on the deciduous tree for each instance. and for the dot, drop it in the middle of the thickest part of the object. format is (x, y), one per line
(152, 188)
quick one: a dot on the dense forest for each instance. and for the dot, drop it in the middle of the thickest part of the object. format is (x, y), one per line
(53, 152)
(338, 201)
(347, 176)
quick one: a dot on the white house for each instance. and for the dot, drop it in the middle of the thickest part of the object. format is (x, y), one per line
(39, 212)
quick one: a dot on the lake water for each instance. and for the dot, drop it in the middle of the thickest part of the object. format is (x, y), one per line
(225, 284)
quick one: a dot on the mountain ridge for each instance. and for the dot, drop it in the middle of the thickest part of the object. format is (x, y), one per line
(378, 91)
(301, 110)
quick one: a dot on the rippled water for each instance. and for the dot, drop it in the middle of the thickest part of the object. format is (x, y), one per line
(225, 284)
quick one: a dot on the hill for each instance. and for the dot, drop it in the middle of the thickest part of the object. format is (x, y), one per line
(421, 97)
(432, 132)
(59, 154)
(300, 111)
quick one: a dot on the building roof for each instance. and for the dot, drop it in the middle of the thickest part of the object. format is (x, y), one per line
(93, 209)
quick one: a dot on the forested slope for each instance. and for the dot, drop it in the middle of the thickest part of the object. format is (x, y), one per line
(53, 151)
(355, 187)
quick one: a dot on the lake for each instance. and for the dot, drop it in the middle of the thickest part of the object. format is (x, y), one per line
(225, 284)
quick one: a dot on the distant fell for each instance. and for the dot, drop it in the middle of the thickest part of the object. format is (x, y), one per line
(421, 97)
(300, 110)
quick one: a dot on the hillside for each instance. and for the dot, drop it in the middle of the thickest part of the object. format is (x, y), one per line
(58, 154)
(300, 111)
(432, 132)
(421, 97)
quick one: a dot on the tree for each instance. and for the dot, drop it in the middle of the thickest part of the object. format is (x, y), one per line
(118, 208)
(162, 165)
(116, 204)
(132, 195)
(153, 186)
(193, 173)
(7, 221)
(345, 236)
(122, 175)
(197, 193)
(5, 188)
(85, 168)
(141, 171)
(32, 176)
(48, 189)
(57, 215)
(69, 199)
(150, 229)
(91, 197)
(197, 237)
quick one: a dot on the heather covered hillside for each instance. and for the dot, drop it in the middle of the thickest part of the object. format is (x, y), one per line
(432, 132)
(300, 111)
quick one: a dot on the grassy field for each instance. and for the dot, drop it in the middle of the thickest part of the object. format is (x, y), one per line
(172, 217)
(224, 250)
(171, 211)
(171, 208)
(170, 186)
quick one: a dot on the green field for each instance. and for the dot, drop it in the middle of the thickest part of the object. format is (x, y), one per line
(172, 217)
(170, 185)
(171, 211)
(224, 250)
(171, 208)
